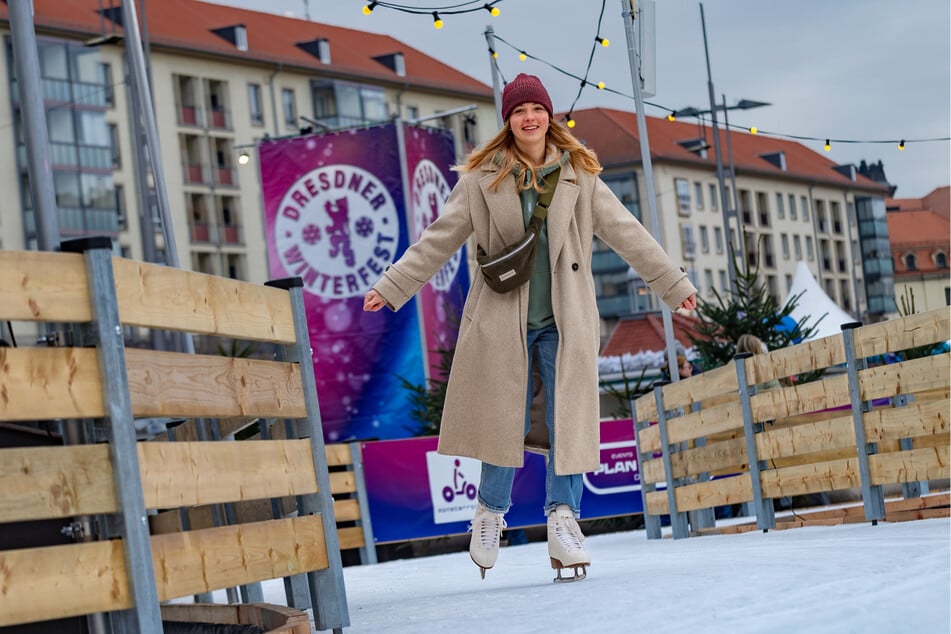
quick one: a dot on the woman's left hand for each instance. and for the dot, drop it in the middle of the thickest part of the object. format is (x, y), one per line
(690, 303)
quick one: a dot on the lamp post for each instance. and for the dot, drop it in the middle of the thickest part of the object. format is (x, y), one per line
(728, 210)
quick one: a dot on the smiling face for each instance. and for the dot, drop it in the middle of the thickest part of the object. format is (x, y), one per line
(529, 122)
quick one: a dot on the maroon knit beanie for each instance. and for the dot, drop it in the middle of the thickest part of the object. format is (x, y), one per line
(523, 89)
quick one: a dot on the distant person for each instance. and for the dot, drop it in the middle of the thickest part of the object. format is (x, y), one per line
(754, 345)
(550, 321)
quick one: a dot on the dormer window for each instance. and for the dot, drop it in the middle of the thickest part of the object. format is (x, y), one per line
(393, 61)
(775, 158)
(911, 263)
(318, 48)
(236, 34)
(697, 146)
(941, 260)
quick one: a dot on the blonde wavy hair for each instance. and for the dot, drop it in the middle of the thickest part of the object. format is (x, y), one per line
(503, 145)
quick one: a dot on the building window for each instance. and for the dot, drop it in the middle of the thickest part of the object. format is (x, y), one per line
(804, 205)
(780, 211)
(688, 244)
(788, 283)
(290, 107)
(339, 104)
(723, 284)
(698, 194)
(792, 207)
(911, 263)
(784, 240)
(105, 70)
(797, 247)
(714, 195)
(941, 260)
(624, 186)
(708, 281)
(255, 105)
(114, 146)
(718, 239)
(809, 252)
(704, 239)
(683, 195)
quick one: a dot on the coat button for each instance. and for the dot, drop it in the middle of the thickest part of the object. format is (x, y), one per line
(575, 267)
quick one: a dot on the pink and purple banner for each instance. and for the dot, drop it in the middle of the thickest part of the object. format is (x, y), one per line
(336, 216)
(413, 492)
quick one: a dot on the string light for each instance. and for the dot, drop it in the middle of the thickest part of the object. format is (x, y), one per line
(494, 53)
(570, 122)
(522, 56)
(454, 8)
(437, 22)
(368, 9)
(827, 146)
(672, 116)
(603, 41)
(600, 85)
(754, 130)
(493, 10)
(901, 144)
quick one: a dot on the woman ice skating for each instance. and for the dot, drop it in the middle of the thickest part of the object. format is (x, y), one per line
(549, 324)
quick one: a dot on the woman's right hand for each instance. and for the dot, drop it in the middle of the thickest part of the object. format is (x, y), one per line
(373, 301)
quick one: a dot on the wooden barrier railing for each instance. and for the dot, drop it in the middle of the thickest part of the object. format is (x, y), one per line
(97, 388)
(864, 428)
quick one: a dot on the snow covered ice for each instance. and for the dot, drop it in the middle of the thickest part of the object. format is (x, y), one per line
(889, 578)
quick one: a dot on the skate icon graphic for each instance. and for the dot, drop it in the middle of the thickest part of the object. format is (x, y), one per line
(459, 485)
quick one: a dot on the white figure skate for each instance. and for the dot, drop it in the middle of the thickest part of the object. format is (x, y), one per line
(486, 528)
(566, 544)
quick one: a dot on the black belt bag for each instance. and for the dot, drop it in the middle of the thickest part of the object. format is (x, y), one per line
(512, 266)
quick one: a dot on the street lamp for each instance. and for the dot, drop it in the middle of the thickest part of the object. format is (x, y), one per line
(742, 104)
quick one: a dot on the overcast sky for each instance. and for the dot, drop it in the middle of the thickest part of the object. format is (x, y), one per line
(841, 69)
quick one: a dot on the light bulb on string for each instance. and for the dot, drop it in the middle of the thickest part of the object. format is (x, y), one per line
(754, 130)
(368, 8)
(522, 56)
(494, 53)
(603, 41)
(901, 144)
(827, 146)
(570, 122)
(437, 21)
(600, 85)
(672, 116)
(493, 11)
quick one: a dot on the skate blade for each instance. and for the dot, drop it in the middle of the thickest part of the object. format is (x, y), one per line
(580, 571)
(482, 569)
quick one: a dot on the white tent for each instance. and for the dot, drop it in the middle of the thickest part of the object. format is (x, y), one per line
(814, 303)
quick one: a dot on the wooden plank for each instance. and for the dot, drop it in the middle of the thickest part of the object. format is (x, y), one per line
(346, 510)
(699, 388)
(202, 561)
(907, 377)
(156, 296)
(929, 463)
(338, 455)
(55, 582)
(187, 385)
(909, 421)
(831, 475)
(43, 286)
(703, 495)
(712, 420)
(900, 334)
(350, 537)
(49, 383)
(188, 430)
(830, 392)
(793, 360)
(921, 514)
(54, 482)
(193, 473)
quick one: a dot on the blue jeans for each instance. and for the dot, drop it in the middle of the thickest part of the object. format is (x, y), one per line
(495, 487)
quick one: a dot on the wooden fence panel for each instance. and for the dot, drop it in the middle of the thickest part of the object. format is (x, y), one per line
(900, 334)
(43, 286)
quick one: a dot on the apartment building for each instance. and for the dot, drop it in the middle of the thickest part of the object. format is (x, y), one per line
(920, 234)
(222, 80)
(792, 204)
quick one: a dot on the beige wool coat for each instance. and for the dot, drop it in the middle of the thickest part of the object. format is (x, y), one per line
(484, 413)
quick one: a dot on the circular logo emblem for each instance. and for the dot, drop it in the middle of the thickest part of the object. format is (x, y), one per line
(337, 228)
(430, 191)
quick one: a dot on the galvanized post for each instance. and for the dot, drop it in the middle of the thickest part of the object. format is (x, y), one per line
(651, 522)
(295, 586)
(678, 520)
(327, 591)
(368, 552)
(765, 515)
(123, 452)
(873, 497)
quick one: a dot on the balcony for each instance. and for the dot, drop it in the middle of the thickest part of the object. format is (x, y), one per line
(219, 119)
(226, 176)
(196, 174)
(189, 116)
(230, 234)
(200, 232)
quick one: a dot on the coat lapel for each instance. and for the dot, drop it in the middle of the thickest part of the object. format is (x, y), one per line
(561, 212)
(505, 210)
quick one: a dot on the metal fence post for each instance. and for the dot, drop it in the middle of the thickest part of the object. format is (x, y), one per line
(651, 522)
(123, 452)
(327, 591)
(873, 497)
(765, 515)
(368, 552)
(678, 520)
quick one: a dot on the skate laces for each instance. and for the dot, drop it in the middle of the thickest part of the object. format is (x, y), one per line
(567, 532)
(489, 526)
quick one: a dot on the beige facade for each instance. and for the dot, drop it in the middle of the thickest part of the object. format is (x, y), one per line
(784, 221)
